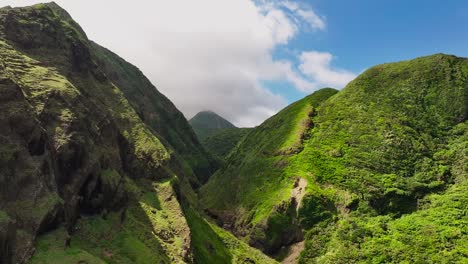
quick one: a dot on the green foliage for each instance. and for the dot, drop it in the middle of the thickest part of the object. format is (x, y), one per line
(213, 244)
(314, 210)
(255, 177)
(394, 135)
(394, 131)
(207, 123)
(208, 246)
(103, 124)
(434, 234)
(157, 112)
(51, 249)
(384, 161)
(4, 217)
(222, 141)
(151, 230)
(278, 225)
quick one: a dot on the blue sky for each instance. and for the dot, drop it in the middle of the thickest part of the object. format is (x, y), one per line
(247, 59)
(363, 33)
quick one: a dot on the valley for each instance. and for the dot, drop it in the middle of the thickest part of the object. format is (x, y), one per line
(98, 166)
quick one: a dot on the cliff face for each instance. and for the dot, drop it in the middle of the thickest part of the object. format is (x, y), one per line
(97, 166)
(156, 111)
(81, 132)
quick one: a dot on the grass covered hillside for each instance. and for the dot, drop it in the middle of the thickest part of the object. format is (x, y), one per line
(221, 142)
(157, 111)
(375, 173)
(207, 123)
(253, 186)
(96, 166)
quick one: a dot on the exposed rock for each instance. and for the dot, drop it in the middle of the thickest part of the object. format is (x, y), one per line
(298, 192)
(294, 252)
(71, 135)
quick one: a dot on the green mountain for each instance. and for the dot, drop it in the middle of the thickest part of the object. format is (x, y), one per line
(375, 173)
(216, 134)
(206, 123)
(221, 142)
(96, 166)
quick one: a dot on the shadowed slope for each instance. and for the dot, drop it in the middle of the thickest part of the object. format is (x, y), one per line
(207, 123)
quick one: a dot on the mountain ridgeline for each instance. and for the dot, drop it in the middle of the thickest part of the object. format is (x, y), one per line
(97, 166)
(206, 123)
(374, 173)
(216, 134)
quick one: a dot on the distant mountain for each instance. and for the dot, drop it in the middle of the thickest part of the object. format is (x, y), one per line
(96, 165)
(206, 123)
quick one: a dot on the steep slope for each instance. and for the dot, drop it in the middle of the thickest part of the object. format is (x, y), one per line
(221, 142)
(76, 146)
(156, 111)
(252, 194)
(206, 123)
(372, 153)
(96, 166)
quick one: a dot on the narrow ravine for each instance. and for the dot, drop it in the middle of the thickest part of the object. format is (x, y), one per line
(294, 252)
(297, 193)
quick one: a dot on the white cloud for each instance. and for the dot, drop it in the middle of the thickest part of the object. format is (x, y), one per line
(313, 20)
(316, 65)
(208, 54)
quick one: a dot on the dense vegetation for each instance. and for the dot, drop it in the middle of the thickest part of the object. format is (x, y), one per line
(221, 142)
(206, 123)
(216, 134)
(156, 110)
(371, 156)
(97, 166)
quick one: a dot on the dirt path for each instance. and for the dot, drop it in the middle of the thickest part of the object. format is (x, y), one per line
(299, 191)
(293, 253)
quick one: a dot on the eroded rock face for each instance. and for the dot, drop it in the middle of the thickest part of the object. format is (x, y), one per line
(27, 177)
(70, 136)
(46, 162)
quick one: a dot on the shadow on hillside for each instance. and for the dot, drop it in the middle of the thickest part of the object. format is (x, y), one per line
(207, 244)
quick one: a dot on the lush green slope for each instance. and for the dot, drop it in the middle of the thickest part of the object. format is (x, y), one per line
(206, 123)
(221, 142)
(95, 164)
(156, 111)
(435, 233)
(216, 134)
(373, 151)
(212, 244)
(254, 184)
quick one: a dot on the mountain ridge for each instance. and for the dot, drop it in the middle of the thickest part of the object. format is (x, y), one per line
(98, 166)
(373, 148)
(86, 155)
(206, 123)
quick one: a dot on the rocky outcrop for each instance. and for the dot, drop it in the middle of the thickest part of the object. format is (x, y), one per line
(73, 130)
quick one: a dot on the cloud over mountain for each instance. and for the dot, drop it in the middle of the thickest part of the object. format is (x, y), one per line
(210, 54)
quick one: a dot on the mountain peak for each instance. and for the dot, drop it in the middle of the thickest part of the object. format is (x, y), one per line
(207, 122)
(210, 119)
